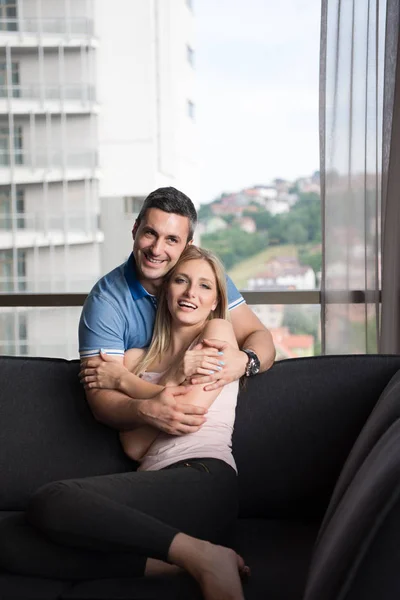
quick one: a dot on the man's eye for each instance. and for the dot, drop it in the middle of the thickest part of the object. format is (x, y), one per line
(173, 240)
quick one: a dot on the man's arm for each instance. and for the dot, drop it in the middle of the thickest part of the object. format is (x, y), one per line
(162, 408)
(100, 326)
(250, 334)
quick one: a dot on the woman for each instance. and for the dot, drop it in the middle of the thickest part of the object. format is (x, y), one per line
(184, 491)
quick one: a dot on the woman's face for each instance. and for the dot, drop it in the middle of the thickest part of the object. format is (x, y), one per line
(192, 292)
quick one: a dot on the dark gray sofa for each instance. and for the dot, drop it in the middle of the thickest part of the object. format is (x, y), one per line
(317, 444)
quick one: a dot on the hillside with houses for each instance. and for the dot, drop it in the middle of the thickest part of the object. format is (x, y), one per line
(269, 238)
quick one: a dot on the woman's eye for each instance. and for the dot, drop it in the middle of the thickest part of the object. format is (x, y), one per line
(204, 285)
(179, 280)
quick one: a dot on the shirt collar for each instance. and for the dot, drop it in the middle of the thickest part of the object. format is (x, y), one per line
(135, 287)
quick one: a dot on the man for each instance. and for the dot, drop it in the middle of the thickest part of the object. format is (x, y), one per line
(120, 310)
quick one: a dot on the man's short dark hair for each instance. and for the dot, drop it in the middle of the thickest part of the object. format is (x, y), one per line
(171, 200)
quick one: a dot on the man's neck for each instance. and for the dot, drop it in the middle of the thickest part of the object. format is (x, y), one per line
(151, 286)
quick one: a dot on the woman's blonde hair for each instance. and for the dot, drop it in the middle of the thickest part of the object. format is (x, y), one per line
(162, 326)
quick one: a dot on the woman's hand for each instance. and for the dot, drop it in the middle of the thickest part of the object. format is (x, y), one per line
(202, 360)
(103, 373)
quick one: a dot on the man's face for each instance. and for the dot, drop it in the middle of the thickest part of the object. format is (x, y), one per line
(159, 240)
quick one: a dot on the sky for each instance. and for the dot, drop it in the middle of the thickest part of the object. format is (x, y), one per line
(257, 65)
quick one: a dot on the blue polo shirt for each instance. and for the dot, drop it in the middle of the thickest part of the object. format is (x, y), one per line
(119, 313)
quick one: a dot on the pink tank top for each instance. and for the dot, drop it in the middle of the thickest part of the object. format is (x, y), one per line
(213, 440)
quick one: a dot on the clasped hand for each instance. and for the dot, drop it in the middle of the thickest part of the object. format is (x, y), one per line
(216, 361)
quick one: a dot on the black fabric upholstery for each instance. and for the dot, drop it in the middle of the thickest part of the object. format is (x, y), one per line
(358, 524)
(295, 427)
(50, 432)
(386, 411)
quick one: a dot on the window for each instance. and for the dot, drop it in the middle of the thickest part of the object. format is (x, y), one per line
(4, 80)
(8, 15)
(189, 4)
(6, 215)
(190, 109)
(190, 55)
(5, 148)
(133, 204)
(8, 283)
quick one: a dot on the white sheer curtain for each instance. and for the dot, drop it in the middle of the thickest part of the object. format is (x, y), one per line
(357, 126)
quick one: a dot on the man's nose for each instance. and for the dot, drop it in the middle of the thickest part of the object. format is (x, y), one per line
(158, 247)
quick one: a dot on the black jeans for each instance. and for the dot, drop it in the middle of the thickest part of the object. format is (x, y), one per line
(107, 526)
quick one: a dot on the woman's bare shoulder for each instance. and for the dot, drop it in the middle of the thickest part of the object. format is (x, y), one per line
(132, 357)
(220, 329)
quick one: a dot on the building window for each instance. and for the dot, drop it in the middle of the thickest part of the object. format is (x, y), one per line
(190, 55)
(190, 109)
(5, 80)
(6, 214)
(5, 146)
(133, 204)
(8, 283)
(8, 15)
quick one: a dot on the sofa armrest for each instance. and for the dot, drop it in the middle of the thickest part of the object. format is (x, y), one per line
(357, 555)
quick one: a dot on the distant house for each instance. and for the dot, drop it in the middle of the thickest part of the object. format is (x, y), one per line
(247, 224)
(292, 345)
(215, 224)
(283, 273)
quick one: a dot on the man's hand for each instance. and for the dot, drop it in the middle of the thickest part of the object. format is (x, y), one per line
(168, 412)
(102, 372)
(233, 361)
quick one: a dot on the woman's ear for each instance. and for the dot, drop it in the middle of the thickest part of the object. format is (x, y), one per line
(214, 306)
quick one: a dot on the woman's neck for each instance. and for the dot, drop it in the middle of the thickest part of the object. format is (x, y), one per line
(182, 337)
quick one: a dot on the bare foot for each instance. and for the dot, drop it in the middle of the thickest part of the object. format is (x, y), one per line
(220, 576)
(216, 569)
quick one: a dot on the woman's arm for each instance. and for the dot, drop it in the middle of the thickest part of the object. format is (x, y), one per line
(138, 442)
(112, 375)
(218, 329)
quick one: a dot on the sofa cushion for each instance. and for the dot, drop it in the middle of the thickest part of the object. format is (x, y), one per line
(49, 430)
(368, 512)
(15, 587)
(273, 550)
(386, 411)
(295, 427)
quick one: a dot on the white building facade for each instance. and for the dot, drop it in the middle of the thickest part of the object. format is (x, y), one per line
(96, 110)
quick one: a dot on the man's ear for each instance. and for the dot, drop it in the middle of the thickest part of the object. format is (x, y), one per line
(190, 242)
(134, 229)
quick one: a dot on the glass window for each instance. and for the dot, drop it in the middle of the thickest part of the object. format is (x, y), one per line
(5, 148)
(4, 80)
(133, 204)
(8, 15)
(10, 282)
(6, 214)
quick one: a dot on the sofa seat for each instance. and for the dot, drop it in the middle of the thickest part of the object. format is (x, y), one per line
(270, 548)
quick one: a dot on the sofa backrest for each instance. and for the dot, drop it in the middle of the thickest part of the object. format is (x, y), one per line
(47, 431)
(294, 428)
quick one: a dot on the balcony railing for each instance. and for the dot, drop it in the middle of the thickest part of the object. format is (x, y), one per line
(39, 222)
(73, 26)
(54, 91)
(49, 159)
